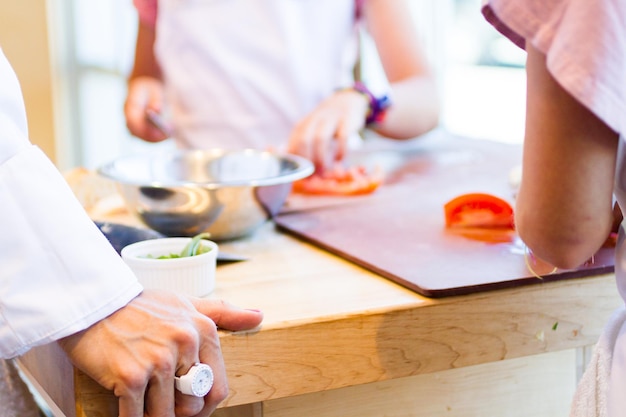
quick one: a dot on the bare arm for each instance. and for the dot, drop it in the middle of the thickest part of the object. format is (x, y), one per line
(415, 107)
(564, 210)
(323, 134)
(145, 62)
(145, 88)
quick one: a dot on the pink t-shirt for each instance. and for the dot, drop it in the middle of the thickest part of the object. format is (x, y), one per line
(147, 10)
(585, 45)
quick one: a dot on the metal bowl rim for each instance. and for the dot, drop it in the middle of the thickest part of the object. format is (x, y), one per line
(303, 169)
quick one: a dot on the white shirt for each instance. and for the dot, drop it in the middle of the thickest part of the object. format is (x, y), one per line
(58, 273)
(242, 73)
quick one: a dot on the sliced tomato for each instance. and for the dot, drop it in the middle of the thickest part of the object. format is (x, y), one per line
(478, 210)
(487, 235)
(340, 181)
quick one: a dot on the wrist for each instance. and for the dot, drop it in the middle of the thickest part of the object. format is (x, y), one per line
(377, 107)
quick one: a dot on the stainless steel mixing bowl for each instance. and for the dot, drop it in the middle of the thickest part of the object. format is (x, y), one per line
(226, 193)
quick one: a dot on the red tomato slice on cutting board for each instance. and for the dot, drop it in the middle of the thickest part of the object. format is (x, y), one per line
(340, 181)
(479, 210)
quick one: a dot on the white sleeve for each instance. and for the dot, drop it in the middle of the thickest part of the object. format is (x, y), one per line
(58, 273)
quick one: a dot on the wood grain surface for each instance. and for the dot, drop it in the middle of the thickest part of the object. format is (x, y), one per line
(332, 325)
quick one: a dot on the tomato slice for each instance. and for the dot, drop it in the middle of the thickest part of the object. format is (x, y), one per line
(340, 181)
(486, 235)
(478, 210)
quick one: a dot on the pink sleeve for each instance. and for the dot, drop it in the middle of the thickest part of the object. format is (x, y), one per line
(583, 42)
(147, 10)
(492, 17)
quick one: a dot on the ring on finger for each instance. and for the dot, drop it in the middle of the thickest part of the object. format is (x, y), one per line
(198, 381)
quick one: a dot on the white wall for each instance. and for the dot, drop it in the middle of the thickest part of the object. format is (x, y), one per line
(24, 40)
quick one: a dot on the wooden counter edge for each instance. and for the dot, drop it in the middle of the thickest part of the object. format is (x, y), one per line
(469, 330)
(50, 373)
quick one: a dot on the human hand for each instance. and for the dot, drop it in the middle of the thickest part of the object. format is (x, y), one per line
(145, 97)
(137, 351)
(322, 136)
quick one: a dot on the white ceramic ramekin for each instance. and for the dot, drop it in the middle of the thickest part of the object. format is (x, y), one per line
(192, 275)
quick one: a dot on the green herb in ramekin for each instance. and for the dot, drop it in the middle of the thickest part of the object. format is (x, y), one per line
(194, 247)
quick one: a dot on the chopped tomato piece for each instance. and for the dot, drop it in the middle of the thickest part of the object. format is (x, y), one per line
(340, 181)
(487, 235)
(478, 210)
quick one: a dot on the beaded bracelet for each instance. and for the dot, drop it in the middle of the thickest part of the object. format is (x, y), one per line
(377, 105)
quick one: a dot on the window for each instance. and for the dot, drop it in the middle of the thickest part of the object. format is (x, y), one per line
(100, 42)
(484, 81)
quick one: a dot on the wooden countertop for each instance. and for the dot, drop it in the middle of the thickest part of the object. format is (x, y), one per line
(331, 324)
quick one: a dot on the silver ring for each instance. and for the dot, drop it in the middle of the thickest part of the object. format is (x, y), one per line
(198, 381)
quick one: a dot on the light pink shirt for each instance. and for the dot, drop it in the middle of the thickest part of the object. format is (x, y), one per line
(147, 10)
(585, 45)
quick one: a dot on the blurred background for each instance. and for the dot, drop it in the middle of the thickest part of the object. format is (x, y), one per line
(73, 56)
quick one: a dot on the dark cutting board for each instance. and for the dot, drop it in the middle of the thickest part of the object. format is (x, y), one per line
(398, 232)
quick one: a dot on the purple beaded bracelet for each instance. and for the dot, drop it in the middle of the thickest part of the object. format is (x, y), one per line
(377, 105)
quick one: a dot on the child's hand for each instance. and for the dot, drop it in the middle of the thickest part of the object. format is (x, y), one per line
(143, 107)
(322, 136)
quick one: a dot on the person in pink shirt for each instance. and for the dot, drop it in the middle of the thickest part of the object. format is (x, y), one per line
(574, 155)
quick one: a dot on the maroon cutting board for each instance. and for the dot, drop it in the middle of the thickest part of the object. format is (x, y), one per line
(398, 232)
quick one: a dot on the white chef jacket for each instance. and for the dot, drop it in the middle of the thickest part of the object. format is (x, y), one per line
(242, 73)
(58, 273)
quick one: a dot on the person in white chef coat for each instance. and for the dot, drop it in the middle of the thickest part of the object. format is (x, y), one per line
(575, 156)
(61, 281)
(276, 74)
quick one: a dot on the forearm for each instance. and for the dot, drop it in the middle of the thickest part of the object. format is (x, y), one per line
(559, 228)
(564, 207)
(414, 90)
(145, 64)
(415, 109)
(145, 89)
